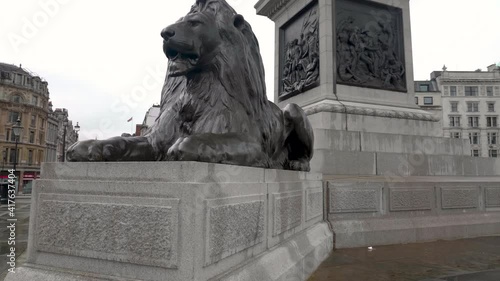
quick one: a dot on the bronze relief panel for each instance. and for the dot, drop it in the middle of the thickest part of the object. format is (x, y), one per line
(370, 45)
(299, 53)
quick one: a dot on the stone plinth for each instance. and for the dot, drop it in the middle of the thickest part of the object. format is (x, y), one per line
(174, 221)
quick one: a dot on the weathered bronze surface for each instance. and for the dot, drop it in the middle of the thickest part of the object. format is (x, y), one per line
(214, 106)
(370, 47)
(300, 54)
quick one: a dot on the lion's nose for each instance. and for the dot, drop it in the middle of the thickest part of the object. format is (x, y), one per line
(168, 32)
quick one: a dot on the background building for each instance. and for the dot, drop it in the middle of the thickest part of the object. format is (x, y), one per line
(25, 96)
(149, 119)
(65, 131)
(52, 136)
(470, 102)
(428, 97)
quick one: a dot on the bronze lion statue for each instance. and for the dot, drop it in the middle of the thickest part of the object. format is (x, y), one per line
(214, 106)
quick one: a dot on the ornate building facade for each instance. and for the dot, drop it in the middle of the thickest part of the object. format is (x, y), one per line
(25, 96)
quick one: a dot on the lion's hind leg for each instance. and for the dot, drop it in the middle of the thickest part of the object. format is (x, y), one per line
(299, 138)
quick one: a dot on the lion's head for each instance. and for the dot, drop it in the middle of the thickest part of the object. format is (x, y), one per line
(212, 37)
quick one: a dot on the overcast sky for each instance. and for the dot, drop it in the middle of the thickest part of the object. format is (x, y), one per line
(104, 62)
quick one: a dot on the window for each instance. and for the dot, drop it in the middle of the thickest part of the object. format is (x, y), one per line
(493, 153)
(471, 91)
(416, 100)
(474, 138)
(491, 107)
(455, 135)
(5, 75)
(428, 101)
(474, 121)
(475, 152)
(34, 100)
(42, 123)
(491, 121)
(41, 139)
(13, 116)
(30, 157)
(13, 155)
(33, 120)
(423, 88)
(16, 99)
(32, 137)
(454, 121)
(453, 91)
(492, 138)
(454, 106)
(473, 106)
(489, 91)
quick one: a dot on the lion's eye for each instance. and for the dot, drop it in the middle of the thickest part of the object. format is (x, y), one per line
(194, 23)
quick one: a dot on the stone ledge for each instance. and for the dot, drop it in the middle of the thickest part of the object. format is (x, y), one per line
(379, 111)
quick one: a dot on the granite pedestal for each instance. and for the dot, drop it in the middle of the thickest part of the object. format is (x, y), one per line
(174, 221)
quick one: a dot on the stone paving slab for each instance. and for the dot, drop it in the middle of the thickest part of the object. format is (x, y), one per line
(475, 259)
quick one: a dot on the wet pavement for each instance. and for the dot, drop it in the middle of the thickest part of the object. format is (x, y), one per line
(476, 259)
(21, 212)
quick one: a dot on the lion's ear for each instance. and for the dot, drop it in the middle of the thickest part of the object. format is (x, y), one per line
(239, 21)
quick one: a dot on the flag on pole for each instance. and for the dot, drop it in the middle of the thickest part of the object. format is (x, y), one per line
(130, 119)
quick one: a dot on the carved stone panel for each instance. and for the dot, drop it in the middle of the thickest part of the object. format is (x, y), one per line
(232, 225)
(370, 45)
(352, 199)
(287, 211)
(299, 53)
(459, 198)
(492, 197)
(122, 229)
(314, 203)
(414, 199)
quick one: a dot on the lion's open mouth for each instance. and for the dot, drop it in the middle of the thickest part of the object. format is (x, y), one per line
(180, 62)
(174, 55)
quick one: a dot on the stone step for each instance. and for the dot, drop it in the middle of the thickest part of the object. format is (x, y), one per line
(336, 162)
(384, 142)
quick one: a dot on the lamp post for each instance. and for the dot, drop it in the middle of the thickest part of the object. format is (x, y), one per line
(4, 185)
(17, 130)
(77, 129)
(65, 124)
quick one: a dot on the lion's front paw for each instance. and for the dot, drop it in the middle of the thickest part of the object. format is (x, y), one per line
(299, 165)
(184, 149)
(96, 150)
(83, 151)
(194, 148)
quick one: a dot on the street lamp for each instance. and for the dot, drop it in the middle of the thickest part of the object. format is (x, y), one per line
(17, 130)
(65, 123)
(77, 129)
